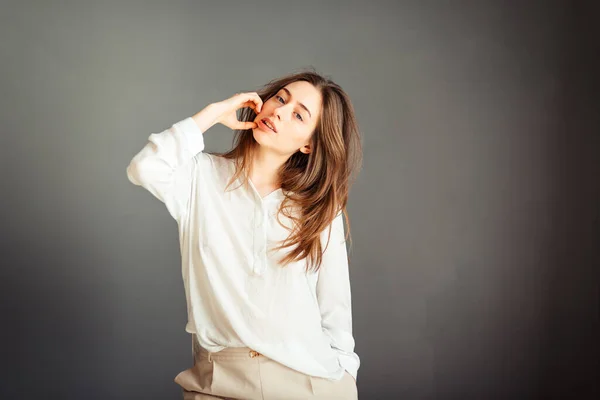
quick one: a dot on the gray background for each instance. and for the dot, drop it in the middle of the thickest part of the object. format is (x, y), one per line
(475, 220)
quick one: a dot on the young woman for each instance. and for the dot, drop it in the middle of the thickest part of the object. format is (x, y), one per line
(264, 259)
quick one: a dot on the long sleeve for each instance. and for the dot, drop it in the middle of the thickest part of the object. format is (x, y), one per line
(166, 164)
(334, 297)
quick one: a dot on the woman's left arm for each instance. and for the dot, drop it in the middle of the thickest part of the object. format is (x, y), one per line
(334, 298)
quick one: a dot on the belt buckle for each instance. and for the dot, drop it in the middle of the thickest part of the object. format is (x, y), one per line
(254, 353)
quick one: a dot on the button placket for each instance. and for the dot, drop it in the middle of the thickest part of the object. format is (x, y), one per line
(259, 239)
(262, 233)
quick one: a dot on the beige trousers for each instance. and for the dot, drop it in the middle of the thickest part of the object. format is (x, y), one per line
(242, 373)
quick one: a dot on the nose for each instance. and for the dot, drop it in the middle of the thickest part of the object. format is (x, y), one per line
(279, 111)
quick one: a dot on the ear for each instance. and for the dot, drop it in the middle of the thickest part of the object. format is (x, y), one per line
(305, 149)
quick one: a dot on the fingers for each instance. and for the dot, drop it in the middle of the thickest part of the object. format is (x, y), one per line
(250, 104)
(253, 97)
(237, 101)
(247, 125)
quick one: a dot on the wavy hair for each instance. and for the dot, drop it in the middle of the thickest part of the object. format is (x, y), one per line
(315, 185)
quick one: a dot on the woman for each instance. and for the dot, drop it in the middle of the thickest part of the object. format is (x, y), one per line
(264, 259)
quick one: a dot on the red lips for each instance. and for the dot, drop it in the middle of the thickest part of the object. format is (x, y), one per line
(271, 123)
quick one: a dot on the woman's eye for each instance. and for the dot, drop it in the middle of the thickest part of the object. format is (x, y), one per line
(279, 97)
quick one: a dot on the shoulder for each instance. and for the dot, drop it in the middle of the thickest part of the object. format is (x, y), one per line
(221, 164)
(208, 160)
(215, 166)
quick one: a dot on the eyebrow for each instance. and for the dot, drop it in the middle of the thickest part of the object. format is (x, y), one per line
(301, 105)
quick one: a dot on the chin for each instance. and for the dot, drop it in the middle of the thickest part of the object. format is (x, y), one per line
(256, 134)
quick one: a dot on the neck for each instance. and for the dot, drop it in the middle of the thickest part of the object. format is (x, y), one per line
(264, 167)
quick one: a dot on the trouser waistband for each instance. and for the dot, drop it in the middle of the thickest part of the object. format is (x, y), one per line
(229, 353)
(226, 353)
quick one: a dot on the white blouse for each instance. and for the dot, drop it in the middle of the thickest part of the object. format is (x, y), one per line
(236, 294)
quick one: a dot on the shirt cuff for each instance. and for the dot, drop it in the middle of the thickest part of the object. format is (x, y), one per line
(192, 133)
(350, 363)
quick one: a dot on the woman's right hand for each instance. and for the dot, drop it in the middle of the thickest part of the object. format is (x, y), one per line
(225, 111)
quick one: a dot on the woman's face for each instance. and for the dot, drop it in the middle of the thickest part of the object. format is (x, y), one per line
(293, 113)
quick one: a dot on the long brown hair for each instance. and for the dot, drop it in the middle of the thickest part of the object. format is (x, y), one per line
(315, 184)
